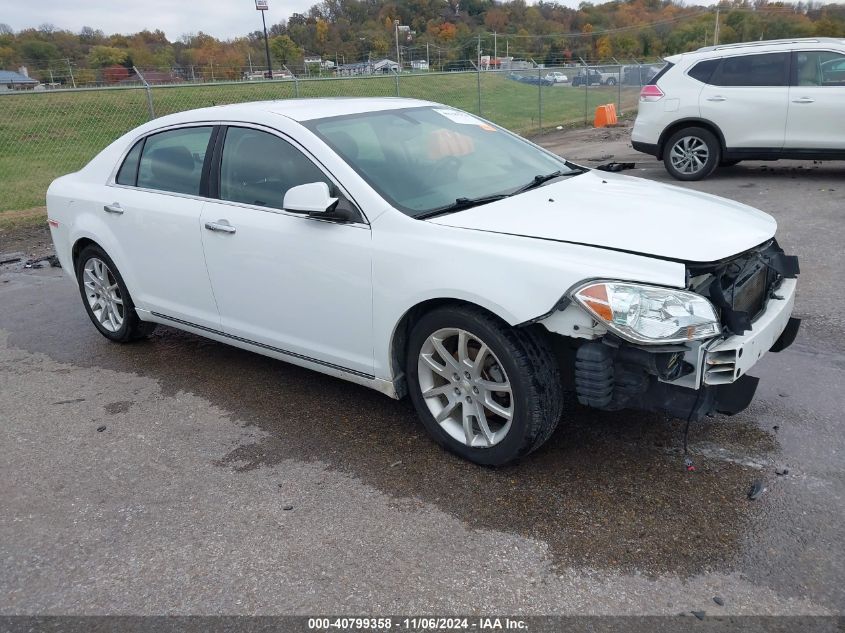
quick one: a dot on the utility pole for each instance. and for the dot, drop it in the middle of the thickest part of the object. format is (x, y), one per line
(262, 5)
(249, 57)
(427, 58)
(396, 33)
(495, 47)
(716, 29)
(70, 70)
(479, 51)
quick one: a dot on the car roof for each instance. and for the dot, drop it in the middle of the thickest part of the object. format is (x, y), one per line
(295, 109)
(760, 47)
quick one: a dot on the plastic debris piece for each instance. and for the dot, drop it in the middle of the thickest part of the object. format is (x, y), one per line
(286, 508)
(100, 429)
(698, 614)
(719, 600)
(756, 491)
(781, 471)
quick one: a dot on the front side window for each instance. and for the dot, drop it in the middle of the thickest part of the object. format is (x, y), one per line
(258, 168)
(768, 69)
(818, 68)
(422, 159)
(173, 160)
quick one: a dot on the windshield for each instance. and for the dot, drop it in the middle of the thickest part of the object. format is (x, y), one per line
(424, 159)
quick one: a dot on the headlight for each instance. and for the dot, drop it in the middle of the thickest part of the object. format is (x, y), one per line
(648, 314)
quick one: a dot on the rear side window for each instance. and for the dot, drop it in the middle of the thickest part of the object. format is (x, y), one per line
(129, 170)
(768, 69)
(173, 160)
(703, 70)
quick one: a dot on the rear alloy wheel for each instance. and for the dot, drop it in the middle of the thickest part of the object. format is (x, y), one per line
(106, 298)
(483, 390)
(691, 154)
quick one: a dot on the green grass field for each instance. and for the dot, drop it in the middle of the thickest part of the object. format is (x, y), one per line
(46, 134)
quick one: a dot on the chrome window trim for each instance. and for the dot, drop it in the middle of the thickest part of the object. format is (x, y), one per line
(112, 179)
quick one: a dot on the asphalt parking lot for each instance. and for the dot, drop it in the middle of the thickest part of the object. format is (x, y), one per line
(182, 476)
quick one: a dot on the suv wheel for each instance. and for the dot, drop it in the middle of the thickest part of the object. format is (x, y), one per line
(692, 153)
(611, 82)
(484, 390)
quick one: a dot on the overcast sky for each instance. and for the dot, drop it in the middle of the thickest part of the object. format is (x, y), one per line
(221, 18)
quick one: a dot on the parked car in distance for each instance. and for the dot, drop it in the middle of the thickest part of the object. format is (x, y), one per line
(419, 250)
(557, 77)
(639, 74)
(595, 77)
(532, 78)
(768, 100)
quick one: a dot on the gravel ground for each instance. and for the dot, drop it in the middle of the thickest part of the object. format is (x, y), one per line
(228, 483)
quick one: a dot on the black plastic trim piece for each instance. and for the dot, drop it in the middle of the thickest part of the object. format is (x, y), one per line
(278, 350)
(645, 148)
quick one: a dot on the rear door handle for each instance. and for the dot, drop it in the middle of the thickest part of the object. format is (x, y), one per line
(804, 100)
(717, 98)
(114, 207)
(221, 226)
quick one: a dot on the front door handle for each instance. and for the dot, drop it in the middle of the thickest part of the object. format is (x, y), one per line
(114, 207)
(221, 226)
(804, 100)
(717, 98)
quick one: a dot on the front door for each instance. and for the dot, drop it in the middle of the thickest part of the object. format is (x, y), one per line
(293, 283)
(816, 101)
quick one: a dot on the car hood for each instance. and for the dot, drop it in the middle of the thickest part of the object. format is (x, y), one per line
(624, 213)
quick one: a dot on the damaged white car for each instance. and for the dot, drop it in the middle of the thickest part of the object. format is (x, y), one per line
(419, 250)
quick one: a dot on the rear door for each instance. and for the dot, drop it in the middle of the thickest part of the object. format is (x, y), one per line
(747, 97)
(153, 208)
(816, 101)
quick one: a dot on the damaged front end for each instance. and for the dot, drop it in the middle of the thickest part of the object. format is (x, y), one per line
(699, 367)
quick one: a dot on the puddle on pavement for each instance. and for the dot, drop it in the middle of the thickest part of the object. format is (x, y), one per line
(607, 491)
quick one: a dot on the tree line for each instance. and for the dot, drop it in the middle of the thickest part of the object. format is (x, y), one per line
(449, 34)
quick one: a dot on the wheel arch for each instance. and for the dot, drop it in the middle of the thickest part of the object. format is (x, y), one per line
(401, 332)
(689, 122)
(80, 244)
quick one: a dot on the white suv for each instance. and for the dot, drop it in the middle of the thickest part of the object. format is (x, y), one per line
(761, 100)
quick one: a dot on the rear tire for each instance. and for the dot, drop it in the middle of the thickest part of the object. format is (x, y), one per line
(611, 82)
(493, 392)
(106, 299)
(692, 153)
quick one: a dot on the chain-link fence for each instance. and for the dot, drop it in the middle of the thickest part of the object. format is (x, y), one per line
(49, 133)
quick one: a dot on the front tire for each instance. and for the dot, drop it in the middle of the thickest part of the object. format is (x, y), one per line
(611, 82)
(485, 391)
(106, 299)
(692, 153)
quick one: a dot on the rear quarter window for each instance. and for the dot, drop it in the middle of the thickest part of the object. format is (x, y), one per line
(703, 70)
(767, 69)
(128, 173)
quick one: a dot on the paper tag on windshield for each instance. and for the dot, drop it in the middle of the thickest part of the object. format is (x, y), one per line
(456, 116)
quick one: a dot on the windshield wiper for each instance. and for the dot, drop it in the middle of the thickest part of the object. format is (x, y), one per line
(460, 204)
(540, 179)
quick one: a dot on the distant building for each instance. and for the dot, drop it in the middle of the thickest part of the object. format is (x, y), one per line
(11, 80)
(419, 64)
(381, 67)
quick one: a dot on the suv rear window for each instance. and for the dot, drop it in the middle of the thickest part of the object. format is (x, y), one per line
(703, 70)
(767, 69)
(662, 72)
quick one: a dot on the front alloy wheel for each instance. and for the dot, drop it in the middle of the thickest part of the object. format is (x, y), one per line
(465, 387)
(489, 392)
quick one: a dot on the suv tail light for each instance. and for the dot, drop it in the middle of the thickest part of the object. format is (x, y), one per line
(651, 92)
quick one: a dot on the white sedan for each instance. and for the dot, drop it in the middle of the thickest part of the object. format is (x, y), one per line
(419, 250)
